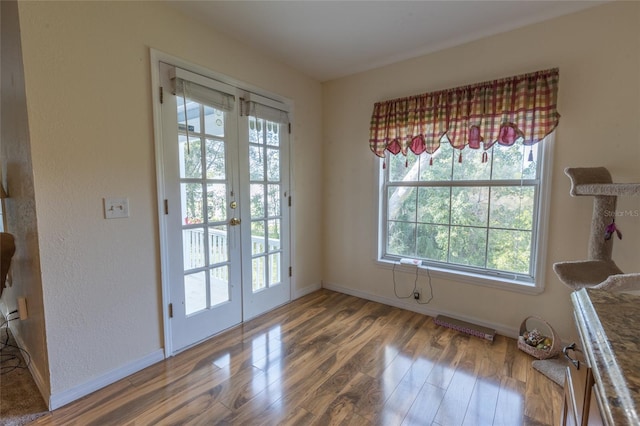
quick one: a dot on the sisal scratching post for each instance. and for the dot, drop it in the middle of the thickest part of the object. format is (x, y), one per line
(584, 180)
(599, 248)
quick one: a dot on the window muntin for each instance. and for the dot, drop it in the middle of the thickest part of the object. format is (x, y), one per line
(464, 216)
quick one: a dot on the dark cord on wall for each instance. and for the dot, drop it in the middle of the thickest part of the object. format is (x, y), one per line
(415, 286)
(10, 358)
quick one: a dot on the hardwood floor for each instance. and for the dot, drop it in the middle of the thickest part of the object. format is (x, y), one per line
(329, 359)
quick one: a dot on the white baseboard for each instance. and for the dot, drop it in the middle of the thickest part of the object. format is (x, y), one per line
(298, 293)
(65, 397)
(422, 309)
(38, 378)
(77, 392)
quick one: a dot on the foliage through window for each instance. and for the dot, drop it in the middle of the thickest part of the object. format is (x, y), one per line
(463, 214)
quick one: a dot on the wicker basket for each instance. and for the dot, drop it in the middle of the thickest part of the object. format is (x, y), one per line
(553, 350)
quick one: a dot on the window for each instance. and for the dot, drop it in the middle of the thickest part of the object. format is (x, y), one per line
(460, 214)
(481, 217)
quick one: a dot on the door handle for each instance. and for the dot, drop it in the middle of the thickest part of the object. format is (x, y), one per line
(565, 351)
(234, 221)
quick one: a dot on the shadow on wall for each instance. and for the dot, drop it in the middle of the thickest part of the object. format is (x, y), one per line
(7, 250)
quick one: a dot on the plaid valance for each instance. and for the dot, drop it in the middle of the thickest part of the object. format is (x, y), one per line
(504, 111)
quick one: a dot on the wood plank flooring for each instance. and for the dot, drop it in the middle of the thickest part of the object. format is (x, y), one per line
(330, 359)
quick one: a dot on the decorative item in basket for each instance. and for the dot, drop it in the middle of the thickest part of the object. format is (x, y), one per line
(535, 339)
(539, 344)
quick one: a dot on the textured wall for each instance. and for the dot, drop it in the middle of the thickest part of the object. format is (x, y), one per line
(21, 206)
(88, 88)
(598, 53)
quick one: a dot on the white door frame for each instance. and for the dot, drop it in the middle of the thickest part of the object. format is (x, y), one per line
(156, 57)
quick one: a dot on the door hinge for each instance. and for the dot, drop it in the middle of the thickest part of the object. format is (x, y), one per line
(290, 271)
(166, 206)
(289, 200)
(161, 95)
(170, 310)
(289, 128)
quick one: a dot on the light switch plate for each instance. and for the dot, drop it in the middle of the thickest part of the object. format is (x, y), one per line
(116, 208)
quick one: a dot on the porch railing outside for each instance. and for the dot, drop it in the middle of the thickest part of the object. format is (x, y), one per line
(194, 257)
(194, 247)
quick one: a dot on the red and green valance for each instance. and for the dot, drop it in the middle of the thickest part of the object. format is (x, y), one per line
(520, 108)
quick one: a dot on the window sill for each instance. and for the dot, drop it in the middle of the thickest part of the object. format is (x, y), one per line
(466, 277)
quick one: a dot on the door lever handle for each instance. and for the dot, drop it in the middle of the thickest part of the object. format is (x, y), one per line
(565, 351)
(234, 221)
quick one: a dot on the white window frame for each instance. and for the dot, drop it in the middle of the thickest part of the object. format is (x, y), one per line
(488, 279)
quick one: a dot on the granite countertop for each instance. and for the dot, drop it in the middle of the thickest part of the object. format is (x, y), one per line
(609, 325)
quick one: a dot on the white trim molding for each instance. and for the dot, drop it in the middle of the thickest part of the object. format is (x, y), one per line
(38, 378)
(65, 397)
(298, 293)
(421, 309)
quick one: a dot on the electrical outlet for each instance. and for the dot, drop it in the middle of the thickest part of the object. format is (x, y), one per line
(416, 295)
(22, 308)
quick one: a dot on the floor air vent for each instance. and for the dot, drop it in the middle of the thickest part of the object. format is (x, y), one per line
(466, 327)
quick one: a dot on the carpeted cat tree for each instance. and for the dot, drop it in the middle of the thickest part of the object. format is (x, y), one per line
(599, 270)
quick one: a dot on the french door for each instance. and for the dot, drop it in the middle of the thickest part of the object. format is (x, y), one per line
(225, 181)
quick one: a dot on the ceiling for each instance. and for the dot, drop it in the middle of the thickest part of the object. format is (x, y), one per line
(332, 39)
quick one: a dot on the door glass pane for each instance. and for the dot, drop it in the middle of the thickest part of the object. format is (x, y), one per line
(193, 248)
(256, 192)
(256, 163)
(192, 203)
(195, 292)
(215, 159)
(265, 199)
(190, 157)
(273, 165)
(255, 130)
(202, 159)
(213, 121)
(274, 269)
(273, 134)
(193, 114)
(219, 278)
(218, 244)
(217, 202)
(258, 273)
(258, 245)
(274, 234)
(273, 200)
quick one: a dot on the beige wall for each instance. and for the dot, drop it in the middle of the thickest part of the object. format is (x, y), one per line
(20, 206)
(598, 53)
(88, 95)
(88, 88)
